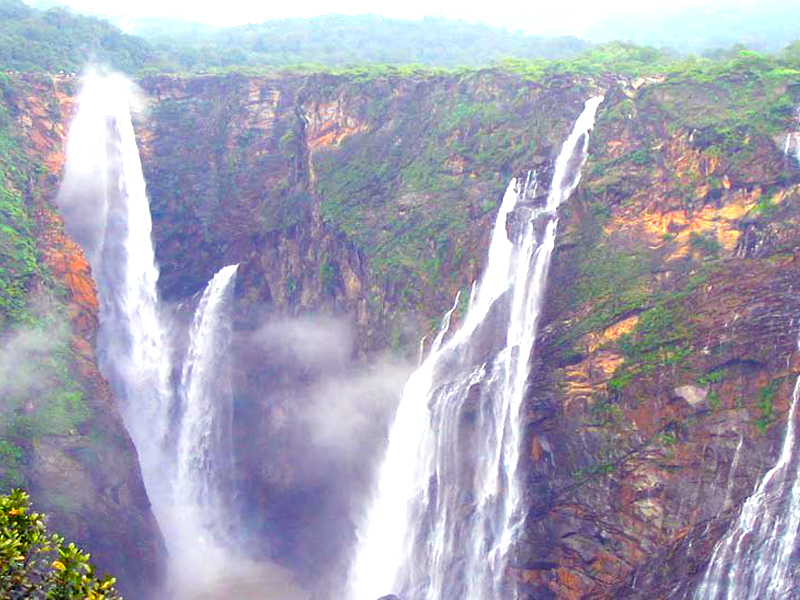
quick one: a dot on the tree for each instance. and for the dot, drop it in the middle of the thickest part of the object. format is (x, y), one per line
(38, 566)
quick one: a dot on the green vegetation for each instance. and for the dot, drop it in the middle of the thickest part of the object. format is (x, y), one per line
(38, 566)
(341, 40)
(615, 57)
(713, 399)
(765, 208)
(767, 25)
(610, 282)
(706, 244)
(403, 192)
(39, 395)
(729, 101)
(668, 438)
(329, 275)
(659, 339)
(709, 380)
(582, 475)
(765, 405)
(19, 260)
(58, 40)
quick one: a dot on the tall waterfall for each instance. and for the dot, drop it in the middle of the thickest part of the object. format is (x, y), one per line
(183, 437)
(754, 559)
(447, 507)
(106, 208)
(205, 462)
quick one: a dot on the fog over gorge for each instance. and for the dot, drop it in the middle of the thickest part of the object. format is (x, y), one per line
(423, 302)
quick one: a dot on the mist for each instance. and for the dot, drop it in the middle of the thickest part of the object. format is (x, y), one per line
(88, 176)
(345, 406)
(23, 357)
(684, 25)
(311, 426)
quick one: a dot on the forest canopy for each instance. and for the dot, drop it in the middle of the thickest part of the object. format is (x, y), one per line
(56, 39)
(60, 40)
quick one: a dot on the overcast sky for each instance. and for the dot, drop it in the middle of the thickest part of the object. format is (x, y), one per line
(550, 17)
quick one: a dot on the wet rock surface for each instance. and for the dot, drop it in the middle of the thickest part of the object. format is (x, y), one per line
(666, 358)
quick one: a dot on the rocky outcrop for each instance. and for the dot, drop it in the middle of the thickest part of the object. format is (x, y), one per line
(368, 202)
(73, 452)
(372, 199)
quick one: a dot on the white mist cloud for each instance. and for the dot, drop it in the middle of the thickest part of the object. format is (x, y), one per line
(343, 408)
(318, 342)
(222, 575)
(83, 195)
(21, 356)
(350, 412)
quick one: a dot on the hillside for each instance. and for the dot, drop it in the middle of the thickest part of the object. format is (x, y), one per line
(59, 40)
(350, 172)
(340, 40)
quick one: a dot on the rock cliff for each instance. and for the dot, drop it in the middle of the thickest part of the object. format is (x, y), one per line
(667, 352)
(667, 356)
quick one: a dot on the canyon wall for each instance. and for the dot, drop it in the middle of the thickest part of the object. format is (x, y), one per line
(363, 204)
(667, 358)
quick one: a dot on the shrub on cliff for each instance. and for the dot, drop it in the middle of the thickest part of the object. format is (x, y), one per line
(35, 565)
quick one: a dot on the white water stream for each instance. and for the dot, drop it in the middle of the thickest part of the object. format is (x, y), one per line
(447, 508)
(183, 437)
(105, 205)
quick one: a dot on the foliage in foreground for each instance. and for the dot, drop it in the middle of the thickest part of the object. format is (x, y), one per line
(38, 566)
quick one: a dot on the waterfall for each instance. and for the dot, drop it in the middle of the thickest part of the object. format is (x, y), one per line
(105, 205)
(448, 502)
(203, 481)
(183, 437)
(754, 559)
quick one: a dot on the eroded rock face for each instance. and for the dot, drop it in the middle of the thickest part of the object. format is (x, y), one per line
(668, 360)
(369, 199)
(670, 313)
(663, 373)
(79, 463)
(329, 193)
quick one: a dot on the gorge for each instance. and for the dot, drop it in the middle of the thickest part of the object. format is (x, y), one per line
(634, 311)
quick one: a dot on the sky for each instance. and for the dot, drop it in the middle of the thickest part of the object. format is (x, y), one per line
(542, 17)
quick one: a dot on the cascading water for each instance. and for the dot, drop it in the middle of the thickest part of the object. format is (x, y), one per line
(205, 460)
(105, 205)
(201, 520)
(448, 500)
(183, 439)
(755, 558)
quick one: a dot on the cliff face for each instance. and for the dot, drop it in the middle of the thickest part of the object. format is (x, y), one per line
(666, 355)
(62, 436)
(369, 202)
(668, 358)
(372, 198)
